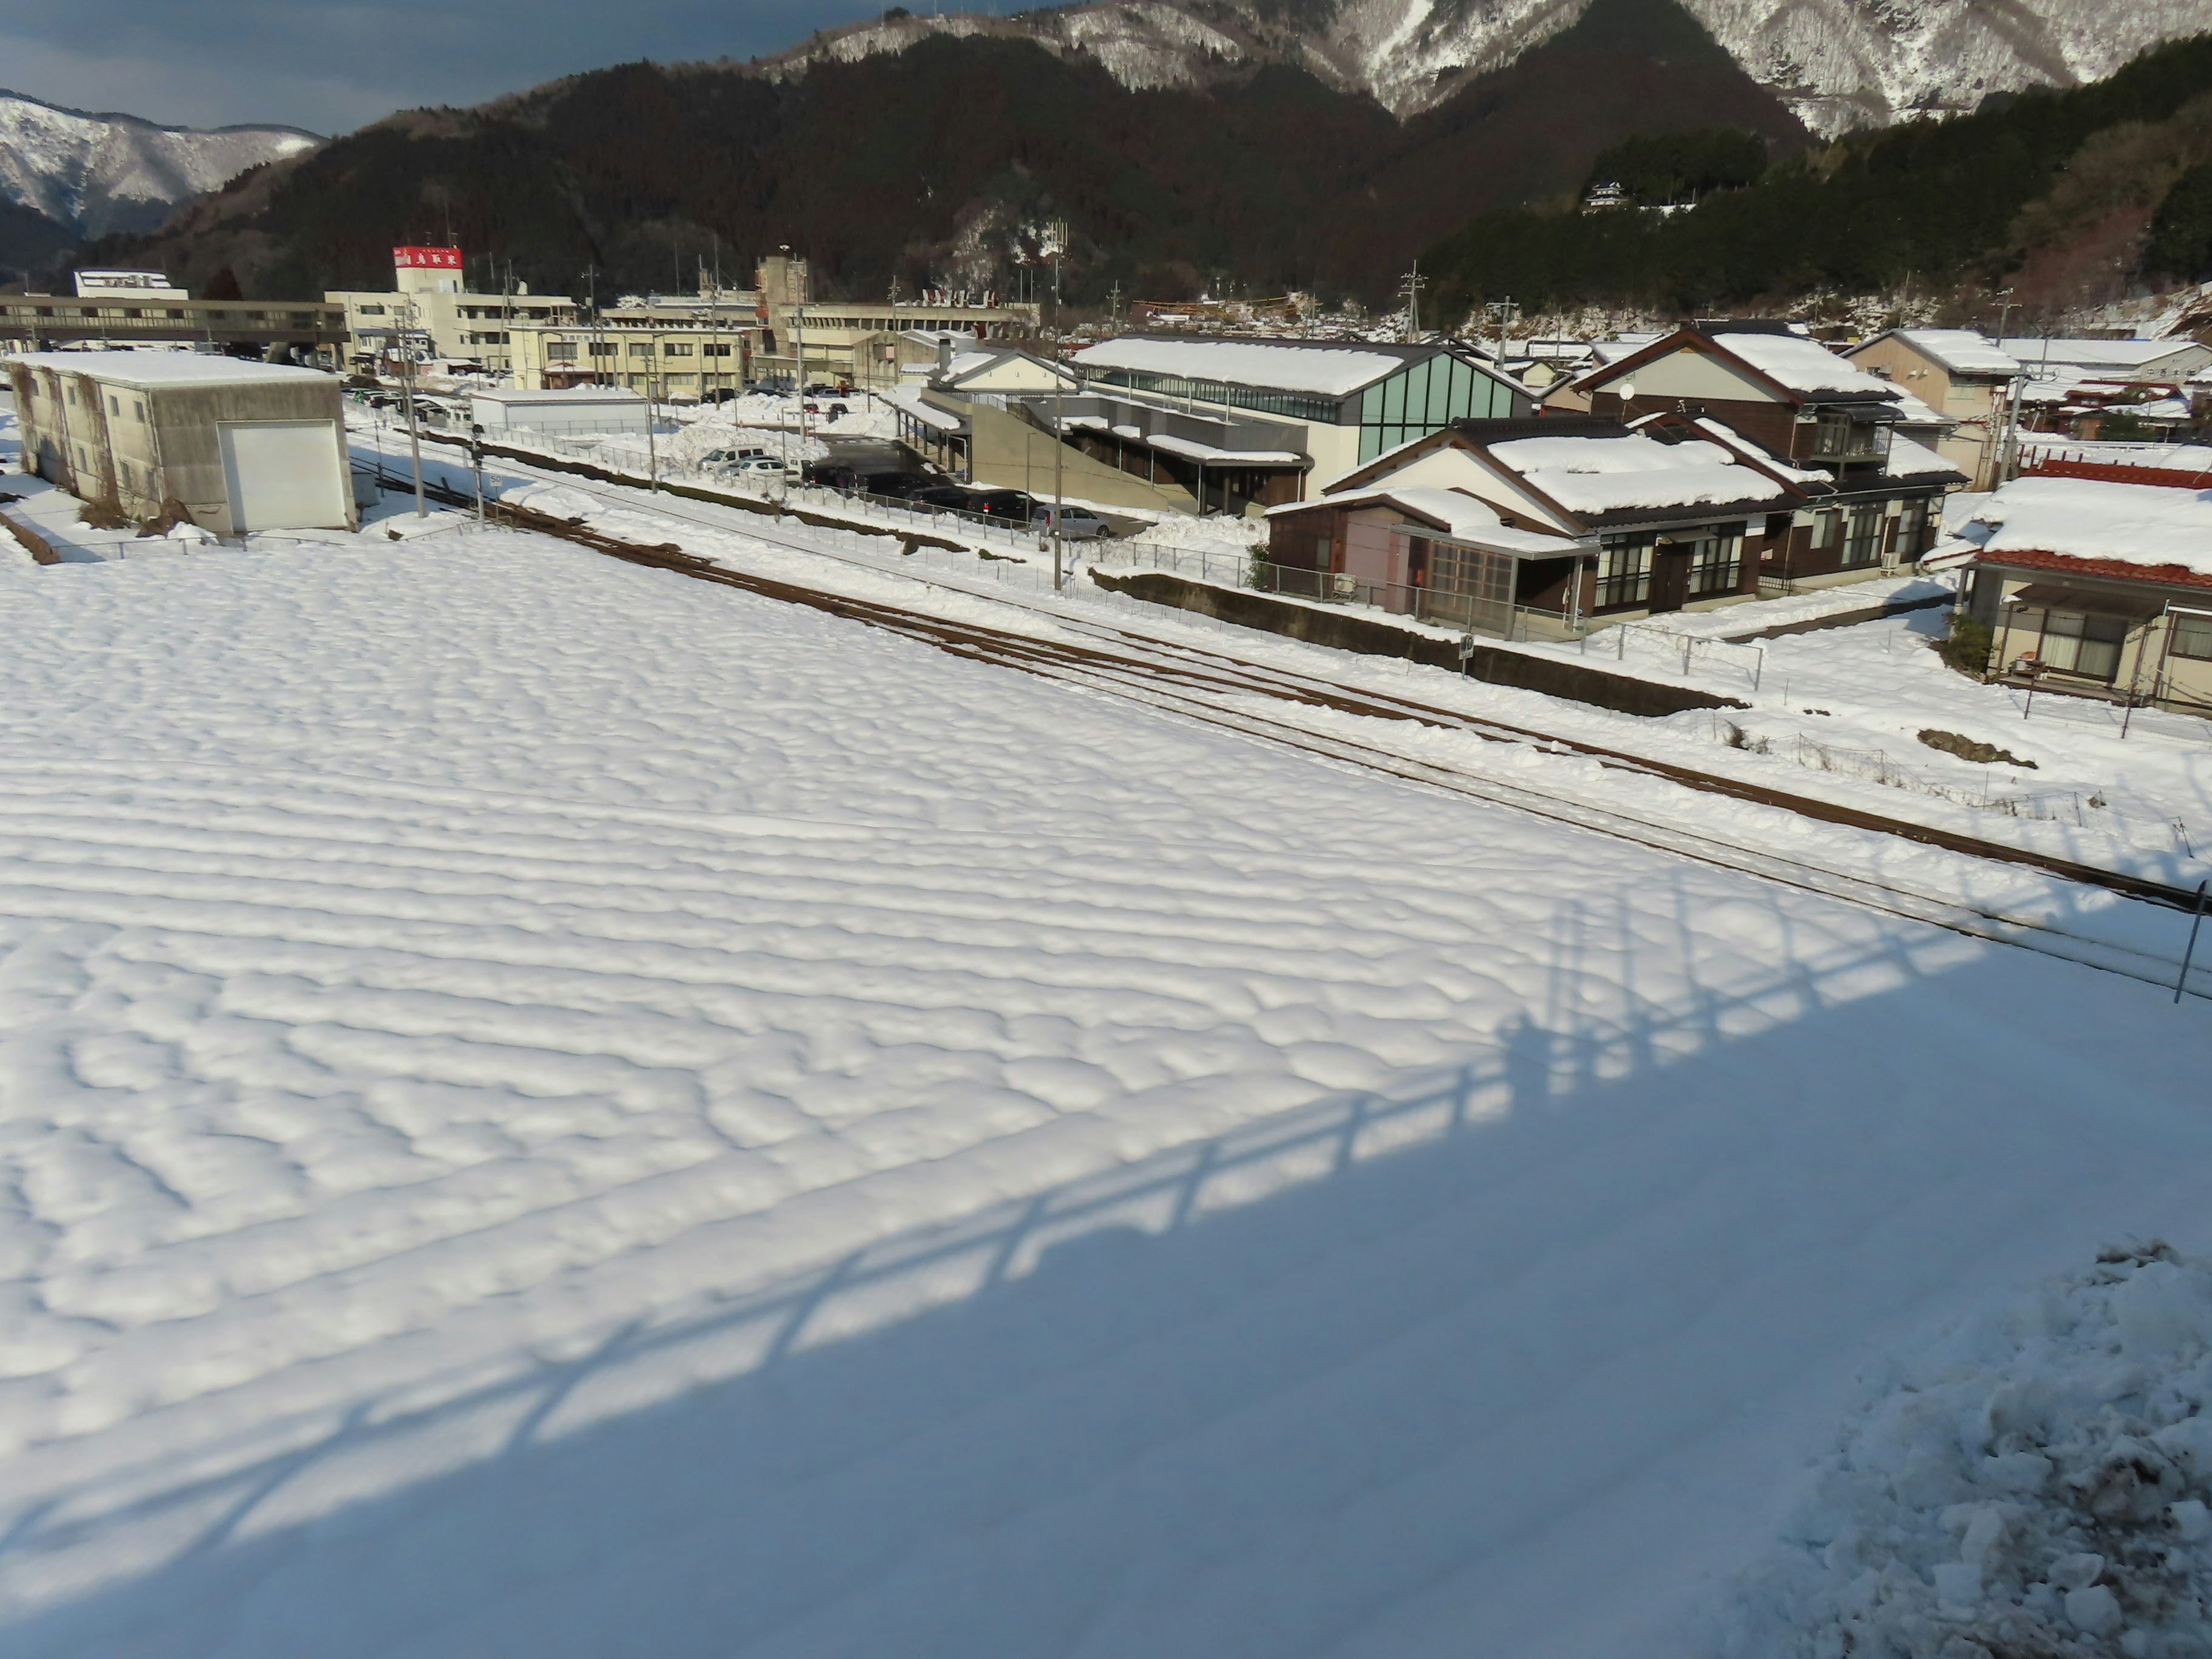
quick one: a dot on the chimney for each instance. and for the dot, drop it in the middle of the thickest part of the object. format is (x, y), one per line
(945, 354)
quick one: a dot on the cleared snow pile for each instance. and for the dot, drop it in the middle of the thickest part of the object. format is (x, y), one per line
(2037, 1487)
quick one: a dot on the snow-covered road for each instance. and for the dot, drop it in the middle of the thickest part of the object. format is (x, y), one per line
(550, 1109)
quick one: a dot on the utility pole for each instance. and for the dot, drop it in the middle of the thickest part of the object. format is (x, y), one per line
(407, 392)
(1411, 288)
(2008, 424)
(1059, 443)
(1504, 310)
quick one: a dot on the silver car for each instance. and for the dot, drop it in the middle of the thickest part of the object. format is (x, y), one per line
(1077, 524)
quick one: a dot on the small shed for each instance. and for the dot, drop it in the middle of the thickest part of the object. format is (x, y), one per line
(577, 411)
(233, 445)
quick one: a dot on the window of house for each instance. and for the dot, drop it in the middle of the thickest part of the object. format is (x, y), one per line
(1912, 525)
(2192, 637)
(115, 405)
(641, 347)
(560, 351)
(138, 410)
(123, 470)
(714, 351)
(2076, 644)
(1624, 571)
(1716, 562)
(1862, 538)
(603, 348)
(675, 349)
(1828, 527)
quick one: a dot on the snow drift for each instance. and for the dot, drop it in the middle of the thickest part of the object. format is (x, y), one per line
(2038, 1485)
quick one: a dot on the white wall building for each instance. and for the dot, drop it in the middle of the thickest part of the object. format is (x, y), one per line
(430, 312)
(236, 445)
(580, 410)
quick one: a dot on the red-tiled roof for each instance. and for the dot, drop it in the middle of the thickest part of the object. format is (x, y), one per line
(2173, 576)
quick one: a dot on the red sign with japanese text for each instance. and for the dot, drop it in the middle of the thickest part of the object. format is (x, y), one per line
(426, 258)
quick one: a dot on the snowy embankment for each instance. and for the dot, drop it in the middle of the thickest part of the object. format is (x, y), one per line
(553, 1107)
(2036, 1484)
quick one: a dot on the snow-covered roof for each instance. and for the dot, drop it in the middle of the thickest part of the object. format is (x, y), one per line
(2085, 518)
(1613, 475)
(570, 396)
(2158, 458)
(1280, 366)
(1750, 451)
(1190, 449)
(1908, 459)
(149, 370)
(1912, 411)
(909, 400)
(2033, 350)
(1804, 366)
(1462, 517)
(1961, 350)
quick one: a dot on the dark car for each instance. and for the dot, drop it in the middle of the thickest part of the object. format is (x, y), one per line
(837, 411)
(951, 495)
(897, 485)
(1014, 504)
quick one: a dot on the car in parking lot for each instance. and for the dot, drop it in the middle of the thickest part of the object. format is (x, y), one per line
(1077, 524)
(1015, 505)
(956, 496)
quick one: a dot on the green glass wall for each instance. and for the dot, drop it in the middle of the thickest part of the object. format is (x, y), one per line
(1421, 399)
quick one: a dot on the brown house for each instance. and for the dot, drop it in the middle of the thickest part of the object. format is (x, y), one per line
(1809, 409)
(1544, 525)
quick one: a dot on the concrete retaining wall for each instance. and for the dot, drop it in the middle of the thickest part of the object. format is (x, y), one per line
(1345, 630)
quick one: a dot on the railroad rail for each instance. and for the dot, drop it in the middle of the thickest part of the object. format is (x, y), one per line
(1203, 685)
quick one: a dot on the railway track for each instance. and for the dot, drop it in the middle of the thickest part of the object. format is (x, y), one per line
(1219, 690)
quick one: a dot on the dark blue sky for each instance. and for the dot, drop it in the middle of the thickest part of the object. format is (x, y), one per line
(330, 65)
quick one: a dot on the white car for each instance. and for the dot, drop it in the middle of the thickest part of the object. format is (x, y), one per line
(1077, 524)
(761, 469)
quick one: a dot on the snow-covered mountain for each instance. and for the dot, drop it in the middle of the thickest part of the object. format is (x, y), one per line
(1838, 63)
(96, 174)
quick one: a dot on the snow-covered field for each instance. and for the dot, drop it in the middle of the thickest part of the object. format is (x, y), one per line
(553, 1110)
(550, 1108)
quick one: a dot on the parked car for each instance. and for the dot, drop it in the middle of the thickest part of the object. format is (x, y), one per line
(1077, 524)
(761, 469)
(837, 411)
(960, 500)
(1014, 504)
(810, 408)
(899, 486)
(728, 458)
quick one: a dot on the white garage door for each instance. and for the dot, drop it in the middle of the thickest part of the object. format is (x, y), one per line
(284, 475)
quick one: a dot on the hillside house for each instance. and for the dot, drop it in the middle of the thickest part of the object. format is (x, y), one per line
(1546, 525)
(232, 444)
(2096, 588)
(1959, 373)
(1802, 405)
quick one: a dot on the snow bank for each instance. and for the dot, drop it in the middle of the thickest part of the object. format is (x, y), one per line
(2037, 1485)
